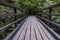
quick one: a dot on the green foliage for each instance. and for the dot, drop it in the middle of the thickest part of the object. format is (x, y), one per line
(48, 3)
(27, 5)
(4, 10)
(10, 1)
(34, 4)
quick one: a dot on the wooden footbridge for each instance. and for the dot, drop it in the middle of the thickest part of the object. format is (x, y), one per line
(34, 27)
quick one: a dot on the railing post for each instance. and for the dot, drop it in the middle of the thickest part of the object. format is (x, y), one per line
(15, 17)
(50, 10)
(41, 13)
(22, 13)
(50, 13)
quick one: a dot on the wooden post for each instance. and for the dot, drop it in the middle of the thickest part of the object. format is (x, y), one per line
(50, 13)
(50, 10)
(22, 13)
(15, 17)
(41, 13)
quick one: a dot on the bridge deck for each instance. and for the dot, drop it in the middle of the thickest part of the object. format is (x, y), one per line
(32, 29)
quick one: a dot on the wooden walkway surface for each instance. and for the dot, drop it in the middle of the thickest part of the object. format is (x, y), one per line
(31, 29)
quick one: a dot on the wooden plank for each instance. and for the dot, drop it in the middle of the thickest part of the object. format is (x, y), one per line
(41, 31)
(32, 29)
(21, 37)
(37, 33)
(46, 32)
(20, 31)
(53, 33)
(12, 34)
(27, 37)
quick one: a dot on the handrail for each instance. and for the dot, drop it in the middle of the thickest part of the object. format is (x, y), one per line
(8, 25)
(53, 14)
(50, 15)
(52, 6)
(7, 15)
(6, 4)
(55, 35)
(58, 25)
(11, 35)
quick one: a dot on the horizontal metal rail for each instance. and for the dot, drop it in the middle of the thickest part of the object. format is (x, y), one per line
(52, 6)
(50, 30)
(8, 25)
(51, 22)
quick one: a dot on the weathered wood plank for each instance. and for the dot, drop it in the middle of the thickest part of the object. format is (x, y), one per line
(27, 37)
(32, 29)
(20, 31)
(37, 33)
(53, 33)
(21, 37)
(46, 32)
(42, 32)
